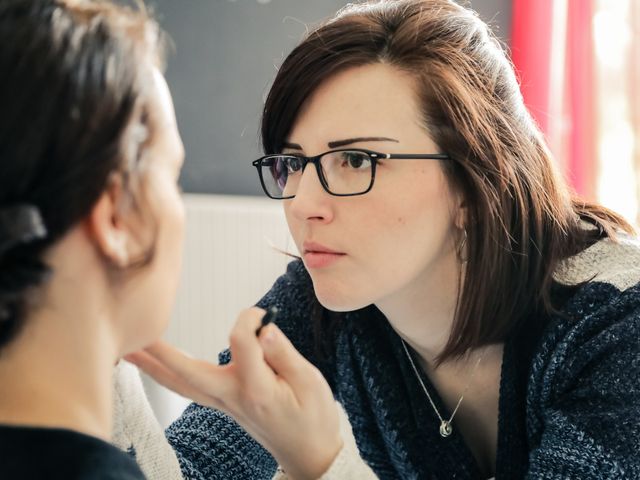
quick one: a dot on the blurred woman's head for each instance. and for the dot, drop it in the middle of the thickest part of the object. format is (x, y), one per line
(426, 76)
(89, 159)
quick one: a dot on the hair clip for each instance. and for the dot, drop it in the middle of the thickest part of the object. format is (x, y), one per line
(19, 225)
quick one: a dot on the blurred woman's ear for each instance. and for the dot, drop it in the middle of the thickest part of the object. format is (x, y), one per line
(113, 224)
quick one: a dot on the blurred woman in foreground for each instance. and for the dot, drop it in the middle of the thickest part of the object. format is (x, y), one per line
(91, 225)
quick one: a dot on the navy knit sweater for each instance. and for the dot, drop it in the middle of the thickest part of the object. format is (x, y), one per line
(569, 403)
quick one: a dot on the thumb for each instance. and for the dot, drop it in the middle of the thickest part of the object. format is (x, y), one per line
(287, 362)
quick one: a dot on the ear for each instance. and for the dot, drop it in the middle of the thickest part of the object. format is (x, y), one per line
(106, 223)
(461, 212)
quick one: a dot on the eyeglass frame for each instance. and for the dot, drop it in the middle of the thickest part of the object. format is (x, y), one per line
(315, 160)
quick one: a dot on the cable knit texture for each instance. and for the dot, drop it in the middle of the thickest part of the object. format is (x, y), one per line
(569, 390)
(136, 430)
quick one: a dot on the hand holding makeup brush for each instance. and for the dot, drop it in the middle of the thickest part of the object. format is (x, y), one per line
(271, 390)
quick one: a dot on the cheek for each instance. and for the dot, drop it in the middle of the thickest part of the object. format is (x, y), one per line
(409, 227)
(169, 205)
(176, 212)
(170, 245)
(425, 202)
(175, 225)
(169, 212)
(295, 226)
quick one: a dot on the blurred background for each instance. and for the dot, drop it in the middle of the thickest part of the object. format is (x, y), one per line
(226, 56)
(579, 66)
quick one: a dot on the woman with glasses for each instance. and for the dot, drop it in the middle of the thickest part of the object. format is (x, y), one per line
(91, 224)
(471, 315)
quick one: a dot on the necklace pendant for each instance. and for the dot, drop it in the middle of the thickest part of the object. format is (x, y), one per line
(445, 429)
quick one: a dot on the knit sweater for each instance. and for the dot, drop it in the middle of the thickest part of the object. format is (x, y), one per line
(135, 428)
(569, 390)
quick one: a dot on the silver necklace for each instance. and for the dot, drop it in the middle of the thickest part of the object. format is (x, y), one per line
(445, 425)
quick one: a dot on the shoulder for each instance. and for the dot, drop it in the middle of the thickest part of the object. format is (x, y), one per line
(583, 390)
(603, 307)
(71, 455)
(593, 339)
(611, 261)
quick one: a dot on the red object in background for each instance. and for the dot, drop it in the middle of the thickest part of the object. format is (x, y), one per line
(582, 97)
(533, 52)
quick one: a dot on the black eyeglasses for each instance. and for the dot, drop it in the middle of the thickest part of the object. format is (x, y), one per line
(343, 173)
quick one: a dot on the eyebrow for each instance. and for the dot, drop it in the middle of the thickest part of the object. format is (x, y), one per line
(345, 142)
(349, 141)
(292, 146)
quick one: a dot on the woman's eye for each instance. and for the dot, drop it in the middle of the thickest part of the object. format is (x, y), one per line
(356, 160)
(294, 165)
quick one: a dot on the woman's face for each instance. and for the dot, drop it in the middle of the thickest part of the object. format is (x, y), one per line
(397, 239)
(151, 290)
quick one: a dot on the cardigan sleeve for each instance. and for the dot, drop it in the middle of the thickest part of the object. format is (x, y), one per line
(210, 444)
(585, 417)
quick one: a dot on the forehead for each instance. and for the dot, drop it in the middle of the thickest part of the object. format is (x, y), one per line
(162, 116)
(375, 99)
(159, 98)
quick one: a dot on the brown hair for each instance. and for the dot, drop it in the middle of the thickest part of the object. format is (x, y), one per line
(72, 90)
(522, 219)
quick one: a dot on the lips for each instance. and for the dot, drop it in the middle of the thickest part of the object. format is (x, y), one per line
(318, 256)
(313, 247)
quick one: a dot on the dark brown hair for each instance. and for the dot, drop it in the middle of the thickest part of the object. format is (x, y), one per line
(522, 219)
(73, 84)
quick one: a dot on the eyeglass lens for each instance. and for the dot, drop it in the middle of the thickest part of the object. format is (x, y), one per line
(344, 172)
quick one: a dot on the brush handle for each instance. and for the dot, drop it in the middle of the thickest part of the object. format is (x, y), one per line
(270, 316)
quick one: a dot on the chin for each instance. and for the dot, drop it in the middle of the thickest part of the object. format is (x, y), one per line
(341, 303)
(340, 296)
(143, 337)
(135, 346)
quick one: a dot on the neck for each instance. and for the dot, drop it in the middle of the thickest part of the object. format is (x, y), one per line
(423, 312)
(57, 373)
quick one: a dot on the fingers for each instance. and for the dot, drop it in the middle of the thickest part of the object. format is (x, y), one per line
(246, 352)
(163, 375)
(200, 380)
(264, 371)
(289, 364)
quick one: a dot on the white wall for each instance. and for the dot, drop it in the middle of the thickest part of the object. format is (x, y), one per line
(230, 261)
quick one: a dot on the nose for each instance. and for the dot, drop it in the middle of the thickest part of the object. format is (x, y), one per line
(312, 201)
